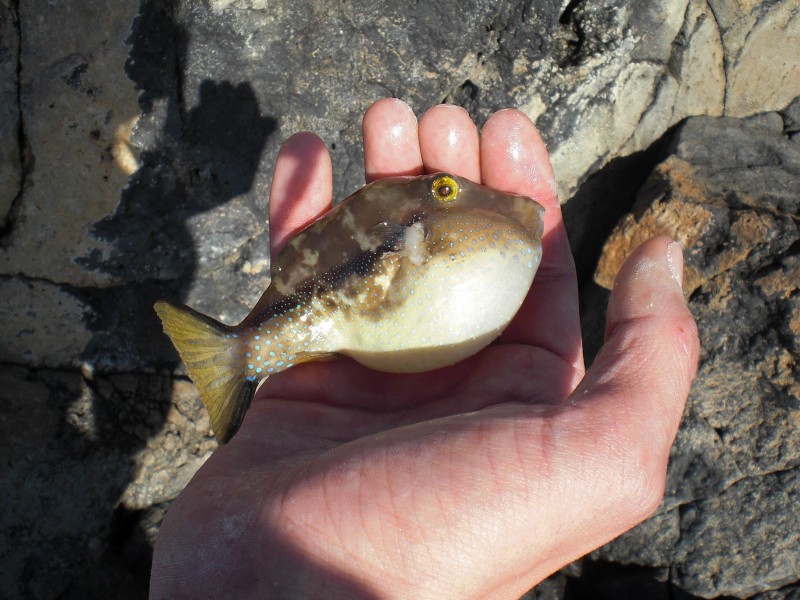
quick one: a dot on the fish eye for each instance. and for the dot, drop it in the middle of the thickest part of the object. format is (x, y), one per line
(444, 189)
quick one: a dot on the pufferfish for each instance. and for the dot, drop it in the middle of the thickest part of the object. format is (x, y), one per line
(406, 275)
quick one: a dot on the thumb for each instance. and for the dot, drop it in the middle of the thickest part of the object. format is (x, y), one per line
(643, 372)
(651, 343)
(633, 396)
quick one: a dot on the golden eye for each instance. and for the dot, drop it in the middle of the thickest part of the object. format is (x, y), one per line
(445, 189)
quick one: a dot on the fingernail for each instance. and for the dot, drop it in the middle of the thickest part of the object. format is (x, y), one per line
(675, 262)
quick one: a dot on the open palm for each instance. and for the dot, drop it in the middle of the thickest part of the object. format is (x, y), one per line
(473, 481)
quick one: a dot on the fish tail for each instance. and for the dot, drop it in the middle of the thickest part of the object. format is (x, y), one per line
(215, 362)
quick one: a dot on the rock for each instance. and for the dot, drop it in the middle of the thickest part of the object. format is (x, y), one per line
(10, 144)
(650, 543)
(77, 107)
(790, 592)
(736, 462)
(602, 81)
(352, 55)
(754, 84)
(59, 486)
(755, 517)
(86, 462)
(550, 589)
(791, 119)
(42, 324)
(172, 456)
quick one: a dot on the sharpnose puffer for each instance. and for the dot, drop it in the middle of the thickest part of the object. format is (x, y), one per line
(406, 275)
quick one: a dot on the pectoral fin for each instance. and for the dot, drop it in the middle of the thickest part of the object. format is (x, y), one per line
(387, 236)
(414, 244)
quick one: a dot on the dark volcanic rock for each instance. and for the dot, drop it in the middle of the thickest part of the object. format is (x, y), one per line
(76, 452)
(58, 494)
(10, 143)
(743, 541)
(729, 193)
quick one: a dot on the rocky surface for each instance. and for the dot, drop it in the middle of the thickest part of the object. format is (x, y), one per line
(728, 191)
(10, 150)
(135, 163)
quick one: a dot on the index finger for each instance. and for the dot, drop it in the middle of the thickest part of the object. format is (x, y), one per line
(514, 159)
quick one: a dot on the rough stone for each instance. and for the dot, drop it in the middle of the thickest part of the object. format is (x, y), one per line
(10, 143)
(790, 592)
(694, 82)
(41, 323)
(734, 468)
(86, 461)
(650, 543)
(754, 84)
(58, 488)
(720, 537)
(77, 107)
(610, 81)
(170, 458)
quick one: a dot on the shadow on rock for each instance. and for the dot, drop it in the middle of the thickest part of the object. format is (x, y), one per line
(604, 198)
(602, 580)
(193, 161)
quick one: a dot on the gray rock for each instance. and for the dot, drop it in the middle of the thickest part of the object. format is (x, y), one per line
(171, 456)
(744, 541)
(790, 592)
(791, 119)
(77, 107)
(59, 486)
(88, 461)
(728, 193)
(552, 588)
(42, 324)
(650, 543)
(754, 30)
(11, 149)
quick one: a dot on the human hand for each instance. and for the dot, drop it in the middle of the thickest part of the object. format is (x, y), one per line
(473, 481)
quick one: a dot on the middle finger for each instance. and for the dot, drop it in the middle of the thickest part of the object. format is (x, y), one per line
(449, 142)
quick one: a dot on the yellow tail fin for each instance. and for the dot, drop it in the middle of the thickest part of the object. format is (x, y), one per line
(215, 363)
